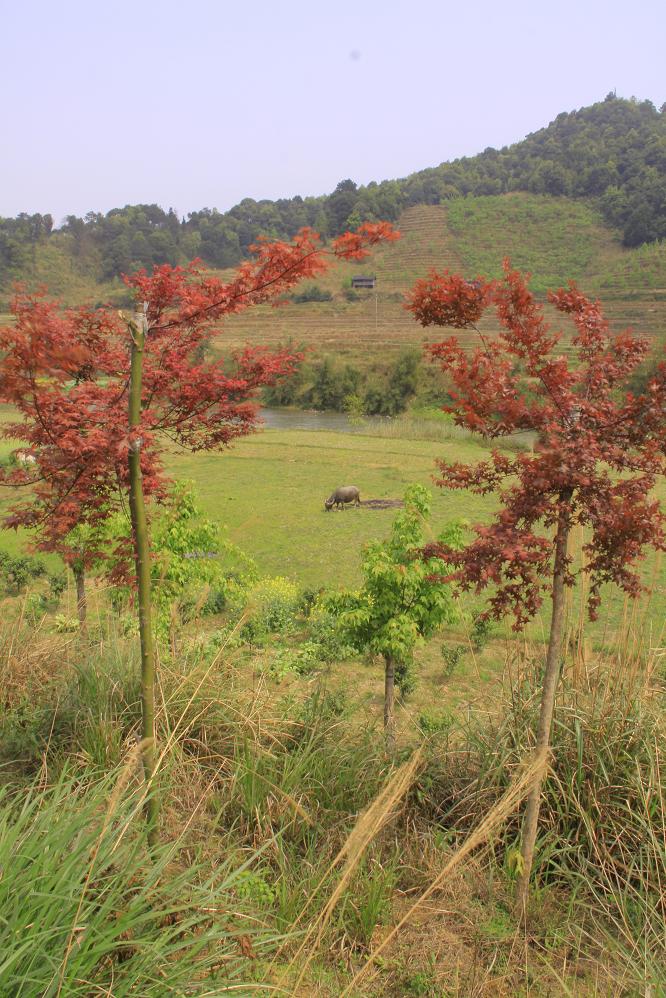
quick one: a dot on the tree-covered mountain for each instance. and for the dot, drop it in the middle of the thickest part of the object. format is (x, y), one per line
(613, 153)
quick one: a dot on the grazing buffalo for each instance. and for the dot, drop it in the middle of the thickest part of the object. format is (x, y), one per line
(345, 494)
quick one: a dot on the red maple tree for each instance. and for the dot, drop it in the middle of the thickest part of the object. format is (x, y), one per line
(597, 455)
(66, 372)
(100, 394)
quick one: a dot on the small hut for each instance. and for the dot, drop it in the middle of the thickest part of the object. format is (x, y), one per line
(363, 281)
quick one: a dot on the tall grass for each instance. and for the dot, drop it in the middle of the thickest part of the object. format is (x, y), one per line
(602, 841)
(84, 910)
(287, 832)
(412, 427)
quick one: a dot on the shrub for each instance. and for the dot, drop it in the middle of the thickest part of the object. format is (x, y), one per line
(481, 632)
(301, 660)
(18, 571)
(452, 655)
(331, 639)
(274, 604)
(57, 584)
(35, 607)
(216, 601)
(434, 723)
(311, 292)
(388, 392)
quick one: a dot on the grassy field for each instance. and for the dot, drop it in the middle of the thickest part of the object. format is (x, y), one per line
(555, 240)
(269, 491)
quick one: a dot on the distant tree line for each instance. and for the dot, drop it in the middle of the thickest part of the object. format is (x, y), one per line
(613, 152)
(19, 238)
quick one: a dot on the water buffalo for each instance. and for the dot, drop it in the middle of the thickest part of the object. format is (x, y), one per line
(345, 494)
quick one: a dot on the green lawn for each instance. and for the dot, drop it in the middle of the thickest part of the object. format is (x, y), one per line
(269, 491)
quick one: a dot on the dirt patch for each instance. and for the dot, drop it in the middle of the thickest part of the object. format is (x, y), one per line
(382, 503)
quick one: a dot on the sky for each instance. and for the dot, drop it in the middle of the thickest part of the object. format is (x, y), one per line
(201, 103)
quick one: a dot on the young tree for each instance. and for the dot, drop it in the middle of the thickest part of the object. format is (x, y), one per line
(599, 452)
(99, 394)
(190, 559)
(401, 601)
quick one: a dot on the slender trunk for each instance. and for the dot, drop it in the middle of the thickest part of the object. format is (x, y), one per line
(137, 330)
(81, 599)
(550, 681)
(389, 703)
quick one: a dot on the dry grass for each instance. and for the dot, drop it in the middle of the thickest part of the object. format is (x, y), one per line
(300, 797)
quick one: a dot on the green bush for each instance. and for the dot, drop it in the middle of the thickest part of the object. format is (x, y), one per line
(331, 639)
(18, 571)
(216, 601)
(311, 292)
(36, 605)
(327, 384)
(273, 605)
(452, 655)
(434, 723)
(57, 584)
(301, 660)
(481, 632)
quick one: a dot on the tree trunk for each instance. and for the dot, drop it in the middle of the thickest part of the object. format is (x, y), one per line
(81, 600)
(389, 704)
(137, 329)
(550, 681)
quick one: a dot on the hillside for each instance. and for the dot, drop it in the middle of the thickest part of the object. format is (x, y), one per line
(556, 239)
(611, 155)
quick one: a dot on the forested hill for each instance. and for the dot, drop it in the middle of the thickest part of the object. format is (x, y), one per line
(613, 153)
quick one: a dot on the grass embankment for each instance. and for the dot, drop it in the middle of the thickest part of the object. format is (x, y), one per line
(293, 848)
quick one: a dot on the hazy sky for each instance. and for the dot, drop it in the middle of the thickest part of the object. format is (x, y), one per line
(201, 103)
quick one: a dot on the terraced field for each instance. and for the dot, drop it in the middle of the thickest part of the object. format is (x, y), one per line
(557, 239)
(376, 325)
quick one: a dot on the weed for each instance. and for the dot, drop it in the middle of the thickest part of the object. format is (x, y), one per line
(423, 983)
(367, 903)
(62, 624)
(452, 655)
